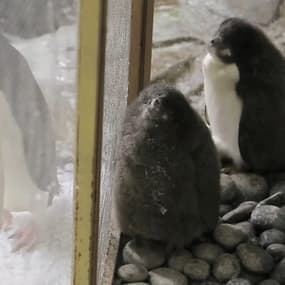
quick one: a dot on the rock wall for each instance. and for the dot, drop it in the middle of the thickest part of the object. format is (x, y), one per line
(32, 18)
(183, 27)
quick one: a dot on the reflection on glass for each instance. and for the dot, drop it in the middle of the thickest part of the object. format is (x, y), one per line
(38, 48)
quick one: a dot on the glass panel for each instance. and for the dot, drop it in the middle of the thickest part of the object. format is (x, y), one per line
(37, 142)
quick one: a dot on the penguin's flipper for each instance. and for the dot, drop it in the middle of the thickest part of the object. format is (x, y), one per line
(261, 133)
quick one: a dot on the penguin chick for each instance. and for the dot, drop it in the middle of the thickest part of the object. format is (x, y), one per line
(244, 79)
(168, 172)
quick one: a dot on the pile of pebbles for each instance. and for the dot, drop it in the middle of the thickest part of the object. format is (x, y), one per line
(247, 246)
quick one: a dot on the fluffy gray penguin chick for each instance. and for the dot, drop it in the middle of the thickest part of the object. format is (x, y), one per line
(168, 171)
(244, 78)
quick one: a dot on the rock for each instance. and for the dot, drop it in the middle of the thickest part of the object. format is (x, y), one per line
(253, 278)
(254, 258)
(277, 251)
(241, 213)
(279, 272)
(229, 236)
(269, 282)
(255, 241)
(224, 208)
(197, 269)
(166, 24)
(264, 217)
(37, 17)
(164, 60)
(167, 276)
(276, 199)
(261, 12)
(279, 223)
(251, 187)
(201, 18)
(229, 190)
(137, 283)
(205, 283)
(178, 259)
(226, 267)
(247, 228)
(207, 251)
(132, 273)
(150, 257)
(271, 236)
(238, 281)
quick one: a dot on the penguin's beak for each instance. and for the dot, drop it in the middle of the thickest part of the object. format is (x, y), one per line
(216, 42)
(218, 48)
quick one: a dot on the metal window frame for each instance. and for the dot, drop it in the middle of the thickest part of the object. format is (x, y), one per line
(141, 44)
(89, 139)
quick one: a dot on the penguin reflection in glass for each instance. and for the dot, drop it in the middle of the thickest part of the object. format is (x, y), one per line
(27, 147)
(167, 186)
(244, 79)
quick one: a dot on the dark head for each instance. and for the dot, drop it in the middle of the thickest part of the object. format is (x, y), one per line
(163, 103)
(239, 41)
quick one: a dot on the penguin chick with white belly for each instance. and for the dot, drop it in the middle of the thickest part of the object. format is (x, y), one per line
(244, 80)
(28, 176)
(168, 171)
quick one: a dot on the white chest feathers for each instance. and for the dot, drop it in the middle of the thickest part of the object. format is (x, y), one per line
(223, 105)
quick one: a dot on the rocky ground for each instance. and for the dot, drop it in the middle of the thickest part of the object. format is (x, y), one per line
(248, 244)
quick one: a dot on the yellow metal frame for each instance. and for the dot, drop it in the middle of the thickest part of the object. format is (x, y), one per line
(90, 102)
(90, 108)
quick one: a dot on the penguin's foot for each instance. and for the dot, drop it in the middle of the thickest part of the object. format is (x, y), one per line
(26, 233)
(26, 237)
(6, 220)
